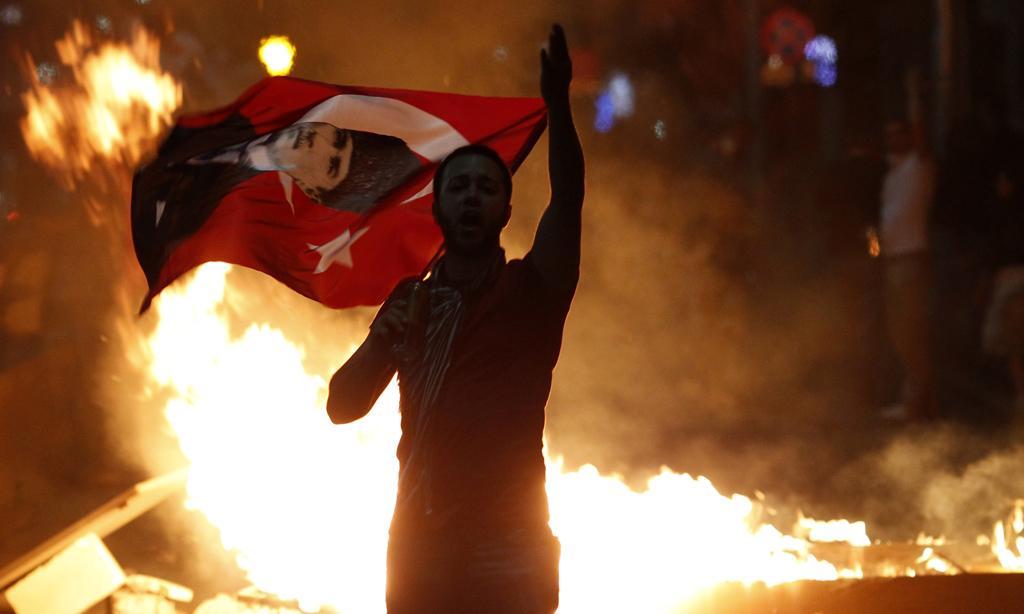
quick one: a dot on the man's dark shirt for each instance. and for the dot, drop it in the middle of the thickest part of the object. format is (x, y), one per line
(483, 445)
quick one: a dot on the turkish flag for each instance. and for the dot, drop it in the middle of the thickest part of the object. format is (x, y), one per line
(326, 188)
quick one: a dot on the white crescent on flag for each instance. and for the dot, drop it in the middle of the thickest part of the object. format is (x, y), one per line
(428, 135)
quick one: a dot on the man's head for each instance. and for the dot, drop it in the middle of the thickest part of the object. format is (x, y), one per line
(898, 140)
(316, 154)
(472, 199)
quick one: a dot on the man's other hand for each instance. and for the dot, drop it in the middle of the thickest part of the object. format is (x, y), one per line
(389, 327)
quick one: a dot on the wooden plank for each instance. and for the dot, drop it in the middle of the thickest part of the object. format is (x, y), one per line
(102, 521)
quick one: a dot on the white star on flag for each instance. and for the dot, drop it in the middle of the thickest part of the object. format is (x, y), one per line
(337, 250)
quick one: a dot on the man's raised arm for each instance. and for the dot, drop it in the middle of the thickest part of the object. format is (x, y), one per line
(556, 248)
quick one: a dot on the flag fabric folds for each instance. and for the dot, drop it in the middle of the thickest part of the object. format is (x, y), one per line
(326, 188)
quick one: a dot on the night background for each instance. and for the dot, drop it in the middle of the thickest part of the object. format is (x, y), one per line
(730, 318)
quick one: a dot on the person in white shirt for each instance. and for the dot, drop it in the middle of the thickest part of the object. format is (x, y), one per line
(906, 200)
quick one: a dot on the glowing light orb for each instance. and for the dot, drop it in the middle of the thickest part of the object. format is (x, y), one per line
(277, 54)
(621, 90)
(821, 49)
(604, 116)
(826, 75)
(615, 101)
(822, 52)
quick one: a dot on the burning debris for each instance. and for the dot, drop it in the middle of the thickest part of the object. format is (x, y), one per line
(252, 601)
(74, 570)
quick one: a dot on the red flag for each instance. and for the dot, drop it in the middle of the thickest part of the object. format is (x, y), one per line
(326, 188)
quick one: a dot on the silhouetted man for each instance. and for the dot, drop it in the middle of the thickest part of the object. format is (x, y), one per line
(470, 528)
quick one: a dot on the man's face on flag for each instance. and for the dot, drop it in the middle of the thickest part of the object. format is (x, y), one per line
(316, 154)
(473, 205)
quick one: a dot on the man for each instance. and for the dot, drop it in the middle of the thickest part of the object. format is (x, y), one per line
(469, 531)
(907, 194)
(343, 169)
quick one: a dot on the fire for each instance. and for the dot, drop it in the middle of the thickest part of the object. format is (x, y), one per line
(1008, 539)
(874, 244)
(113, 107)
(306, 504)
(277, 54)
(832, 531)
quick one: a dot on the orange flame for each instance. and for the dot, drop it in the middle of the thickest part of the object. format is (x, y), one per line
(1008, 539)
(874, 244)
(113, 108)
(306, 505)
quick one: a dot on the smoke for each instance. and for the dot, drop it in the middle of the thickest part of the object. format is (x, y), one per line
(943, 480)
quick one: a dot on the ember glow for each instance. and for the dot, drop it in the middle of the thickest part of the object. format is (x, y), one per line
(874, 245)
(305, 505)
(112, 107)
(277, 54)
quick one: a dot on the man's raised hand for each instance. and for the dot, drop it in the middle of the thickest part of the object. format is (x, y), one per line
(555, 68)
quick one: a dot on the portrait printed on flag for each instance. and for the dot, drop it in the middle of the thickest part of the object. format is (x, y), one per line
(349, 170)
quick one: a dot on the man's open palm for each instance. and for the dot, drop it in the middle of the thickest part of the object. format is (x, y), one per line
(555, 66)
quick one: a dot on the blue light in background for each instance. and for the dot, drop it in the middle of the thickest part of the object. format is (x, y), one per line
(822, 52)
(621, 90)
(615, 101)
(826, 75)
(604, 119)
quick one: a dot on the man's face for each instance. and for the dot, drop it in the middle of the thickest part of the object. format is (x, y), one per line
(316, 154)
(473, 206)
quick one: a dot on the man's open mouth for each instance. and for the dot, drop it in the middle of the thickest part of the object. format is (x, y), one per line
(470, 220)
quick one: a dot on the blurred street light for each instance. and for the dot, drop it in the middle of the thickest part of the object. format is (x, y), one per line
(277, 54)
